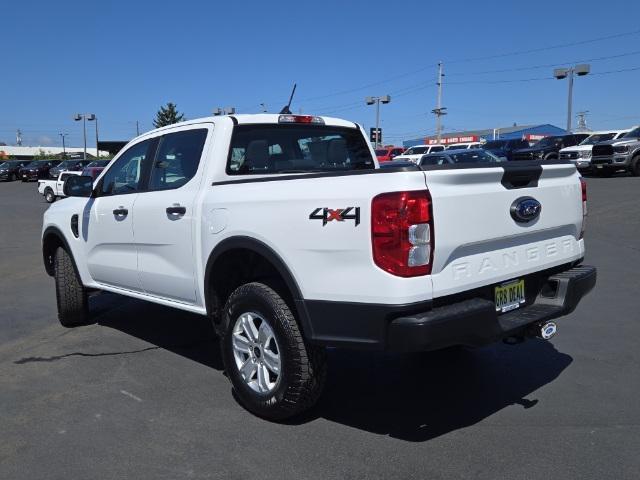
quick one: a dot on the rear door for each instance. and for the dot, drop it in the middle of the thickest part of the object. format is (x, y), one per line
(478, 241)
(164, 215)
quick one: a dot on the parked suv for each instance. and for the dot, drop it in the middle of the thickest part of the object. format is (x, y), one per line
(548, 148)
(69, 166)
(619, 154)
(36, 170)
(415, 153)
(9, 170)
(386, 154)
(581, 153)
(505, 148)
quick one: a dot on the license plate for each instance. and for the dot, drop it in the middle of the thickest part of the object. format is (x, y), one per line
(598, 166)
(509, 296)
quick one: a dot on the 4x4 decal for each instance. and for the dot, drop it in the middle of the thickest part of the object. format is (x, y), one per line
(338, 214)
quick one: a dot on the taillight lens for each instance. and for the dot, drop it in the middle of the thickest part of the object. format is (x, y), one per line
(583, 187)
(402, 232)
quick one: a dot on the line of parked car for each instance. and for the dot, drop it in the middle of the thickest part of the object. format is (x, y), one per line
(50, 174)
(600, 153)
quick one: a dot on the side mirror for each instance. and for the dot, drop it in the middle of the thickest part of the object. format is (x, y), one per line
(78, 186)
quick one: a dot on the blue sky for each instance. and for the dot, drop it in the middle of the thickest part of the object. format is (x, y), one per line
(122, 60)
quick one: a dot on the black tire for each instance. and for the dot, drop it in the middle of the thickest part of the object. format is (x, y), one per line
(73, 306)
(303, 367)
(49, 196)
(12, 177)
(635, 166)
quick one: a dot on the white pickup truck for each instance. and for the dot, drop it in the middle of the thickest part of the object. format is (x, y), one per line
(53, 189)
(287, 234)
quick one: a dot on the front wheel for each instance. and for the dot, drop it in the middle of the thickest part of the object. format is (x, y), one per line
(274, 373)
(71, 296)
(49, 196)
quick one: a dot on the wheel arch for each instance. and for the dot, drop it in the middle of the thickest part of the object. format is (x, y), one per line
(52, 239)
(258, 250)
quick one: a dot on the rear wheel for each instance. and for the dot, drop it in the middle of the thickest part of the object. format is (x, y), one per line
(71, 296)
(12, 177)
(274, 373)
(49, 196)
(635, 166)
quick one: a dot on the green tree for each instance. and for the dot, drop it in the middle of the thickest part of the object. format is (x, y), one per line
(167, 116)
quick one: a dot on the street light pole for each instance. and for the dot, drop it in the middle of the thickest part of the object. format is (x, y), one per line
(64, 148)
(560, 73)
(377, 101)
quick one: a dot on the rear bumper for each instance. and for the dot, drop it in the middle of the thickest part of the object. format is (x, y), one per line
(420, 327)
(476, 322)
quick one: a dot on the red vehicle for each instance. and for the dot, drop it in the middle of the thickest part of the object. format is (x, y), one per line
(94, 168)
(388, 153)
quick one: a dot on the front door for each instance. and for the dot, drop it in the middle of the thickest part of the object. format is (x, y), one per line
(108, 221)
(164, 216)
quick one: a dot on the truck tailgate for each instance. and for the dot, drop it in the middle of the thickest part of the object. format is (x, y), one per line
(477, 240)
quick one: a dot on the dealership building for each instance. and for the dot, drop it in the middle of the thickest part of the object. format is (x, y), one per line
(526, 132)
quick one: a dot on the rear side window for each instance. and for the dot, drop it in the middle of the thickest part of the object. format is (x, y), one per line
(264, 149)
(177, 159)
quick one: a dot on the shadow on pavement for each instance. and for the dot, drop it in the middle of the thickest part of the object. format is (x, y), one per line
(417, 397)
(414, 397)
(184, 333)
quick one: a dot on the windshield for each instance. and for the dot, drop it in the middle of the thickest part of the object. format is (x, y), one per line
(98, 163)
(416, 151)
(34, 164)
(597, 137)
(268, 149)
(67, 163)
(547, 142)
(382, 153)
(635, 133)
(495, 145)
(10, 164)
(474, 156)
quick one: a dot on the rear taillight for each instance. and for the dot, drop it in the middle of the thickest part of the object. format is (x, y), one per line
(583, 188)
(402, 232)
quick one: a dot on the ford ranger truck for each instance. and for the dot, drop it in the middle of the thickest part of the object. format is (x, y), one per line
(284, 231)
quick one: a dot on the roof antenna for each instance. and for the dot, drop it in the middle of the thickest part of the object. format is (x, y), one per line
(286, 110)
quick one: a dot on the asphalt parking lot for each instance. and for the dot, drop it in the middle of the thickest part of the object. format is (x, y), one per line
(141, 393)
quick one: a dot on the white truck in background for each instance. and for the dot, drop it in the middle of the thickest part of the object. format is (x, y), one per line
(54, 189)
(287, 234)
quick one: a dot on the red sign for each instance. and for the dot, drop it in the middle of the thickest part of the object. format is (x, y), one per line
(533, 137)
(450, 140)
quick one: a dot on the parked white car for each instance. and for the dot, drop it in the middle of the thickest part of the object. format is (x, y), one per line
(415, 153)
(465, 145)
(54, 189)
(284, 231)
(581, 154)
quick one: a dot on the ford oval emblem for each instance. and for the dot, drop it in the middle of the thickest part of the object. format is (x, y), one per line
(525, 209)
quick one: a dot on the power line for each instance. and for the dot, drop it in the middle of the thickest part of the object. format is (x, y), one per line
(550, 47)
(547, 65)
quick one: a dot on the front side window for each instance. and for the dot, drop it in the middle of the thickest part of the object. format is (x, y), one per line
(416, 151)
(268, 149)
(177, 159)
(125, 174)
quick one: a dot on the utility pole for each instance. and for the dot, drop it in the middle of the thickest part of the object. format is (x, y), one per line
(439, 111)
(582, 121)
(137, 128)
(64, 148)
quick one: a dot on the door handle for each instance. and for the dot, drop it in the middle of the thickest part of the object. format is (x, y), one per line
(176, 210)
(121, 212)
